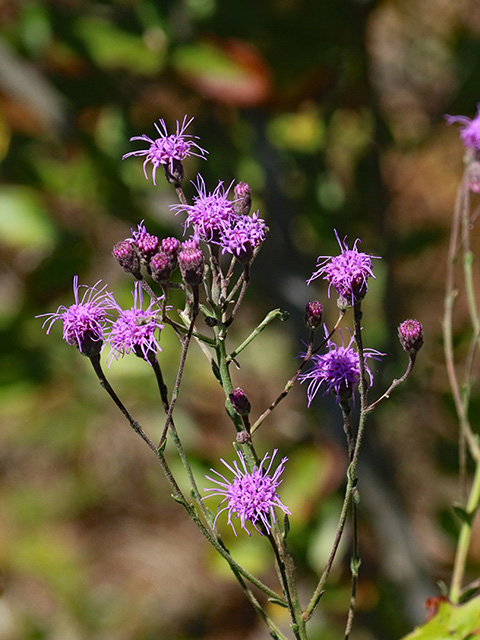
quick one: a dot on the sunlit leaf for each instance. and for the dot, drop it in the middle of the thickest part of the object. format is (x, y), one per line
(451, 623)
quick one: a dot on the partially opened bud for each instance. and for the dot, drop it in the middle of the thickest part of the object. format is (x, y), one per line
(126, 255)
(410, 334)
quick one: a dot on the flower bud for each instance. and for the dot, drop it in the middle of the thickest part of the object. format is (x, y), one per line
(313, 314)
(160, 267)
(191, 263)
(170, 247)
(243, 201)
(410, 334)
(240, 402)
(125, 254)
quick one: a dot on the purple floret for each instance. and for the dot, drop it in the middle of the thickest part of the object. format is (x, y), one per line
(250, 496)
(83, 322)
(166, 149)
(347, 273)
(338, 370)
(470, 129)
(135, 329)
(210, 214)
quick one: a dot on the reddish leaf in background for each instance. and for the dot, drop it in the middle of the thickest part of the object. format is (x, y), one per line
(228, 71)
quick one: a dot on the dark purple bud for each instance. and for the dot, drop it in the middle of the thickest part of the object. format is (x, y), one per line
(410, 334)
(171, 247)
(243, 200)
(240, 402)
(174, 172)
(160, 267)
(125, 254)
(191, 263)
(313, 314)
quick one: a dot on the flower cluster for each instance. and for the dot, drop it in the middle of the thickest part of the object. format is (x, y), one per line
(347, 273)
(252, 495)
(85, 323)
(338, 370)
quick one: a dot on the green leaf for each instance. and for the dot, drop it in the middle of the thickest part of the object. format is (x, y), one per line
(112, 48)
(451, 622)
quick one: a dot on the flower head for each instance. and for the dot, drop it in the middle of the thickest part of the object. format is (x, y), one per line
(470, 129)
(210, 213)
(347, 273)
(84, 321)
(243, 236)
(338, 370)
(135, 329)
(251, 495)
(167, 150)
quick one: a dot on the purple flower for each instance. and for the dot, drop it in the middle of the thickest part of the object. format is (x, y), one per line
(210, 213)
(84, 321)
(135, 329)
(347, 273)
(470, 129)
(243, 236)
(338, 370)
(167, 150)
(251, 495)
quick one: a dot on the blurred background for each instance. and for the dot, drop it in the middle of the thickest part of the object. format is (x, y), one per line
(333, 112)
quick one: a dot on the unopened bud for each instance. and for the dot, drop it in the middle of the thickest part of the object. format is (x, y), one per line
(126, 255)
(410, 334)
(160, 267)
(243, 437)
(313, 314)
(243, 201)
(240, 402)
(170, 247)
(191, 263)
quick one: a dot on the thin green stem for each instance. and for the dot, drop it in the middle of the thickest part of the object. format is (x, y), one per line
(465, 537)
(177, 493)
(276, 314)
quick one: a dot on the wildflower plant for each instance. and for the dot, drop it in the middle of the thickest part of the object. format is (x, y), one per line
(211, 268)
